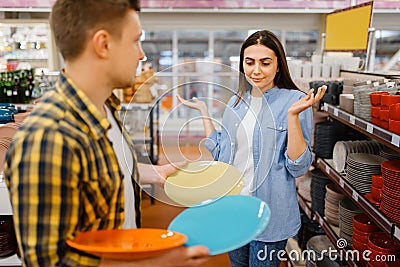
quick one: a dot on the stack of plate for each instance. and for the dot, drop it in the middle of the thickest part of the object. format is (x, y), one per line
(332, 200)
(343, 148)
(304, 188)
(318, 245)
(362, 103)
(8, 242)
(347, 209)
(390, 203)
(326, 134)
(389, 154)
(360, 168)
(318, 183)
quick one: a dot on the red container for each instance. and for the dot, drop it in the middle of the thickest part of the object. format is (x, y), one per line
(360, 237)
(375, 98)
(363, 223)
(376, 193)
(383, 243)
(394, 126)
(394, 112)
(387, 100)
(375, 111)
(377, 181)
(385, 124)
(384, 115)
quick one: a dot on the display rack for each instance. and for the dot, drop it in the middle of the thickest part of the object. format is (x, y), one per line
(371, 130)
(139, 137)
(330, 233)
(377, 133)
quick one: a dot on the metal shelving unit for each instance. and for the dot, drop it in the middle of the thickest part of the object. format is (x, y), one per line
(330, 233)
(383, 136)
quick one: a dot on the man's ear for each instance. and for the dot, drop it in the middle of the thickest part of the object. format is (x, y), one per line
(101, 43)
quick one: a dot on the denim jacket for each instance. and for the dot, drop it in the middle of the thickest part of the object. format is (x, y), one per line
(274, 173)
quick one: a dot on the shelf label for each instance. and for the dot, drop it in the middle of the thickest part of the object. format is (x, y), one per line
(336, 112)
(396, 140)
(352, 119)
(327, 169)
(321, 221)
(341, 182)
(326, 106)
(396, 232)
(370, 128)
(355, 195)
(376, 84)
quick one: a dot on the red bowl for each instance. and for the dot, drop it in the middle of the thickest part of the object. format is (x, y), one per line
(376, 193)
(375, 97)
(377, 181)
(387, 100)
(385, 124)
(383, 243)
(372, 200)
(363, 223)
(375, 111)
(384, 115)
(360, 246)
(361, 238)
(394, 112)
(394, 126)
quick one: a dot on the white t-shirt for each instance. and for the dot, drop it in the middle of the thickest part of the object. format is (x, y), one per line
(125, 160)
(243, 160)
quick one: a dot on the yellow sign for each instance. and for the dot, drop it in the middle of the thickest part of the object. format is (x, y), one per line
(347, 29)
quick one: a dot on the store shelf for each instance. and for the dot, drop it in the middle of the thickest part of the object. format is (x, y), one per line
(381, 135)
(376, 215)
(10, 261)
(330, 233)
(137, 106)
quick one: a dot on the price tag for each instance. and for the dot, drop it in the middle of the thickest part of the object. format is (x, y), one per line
(321, 221)
(368, 82)
(336, 112)
(327, 169)
(355, 195)
(370, 128)
(396, 140)
(376, 84)
(341, 183)
(396, 232)
(352, 119)
(326, 106)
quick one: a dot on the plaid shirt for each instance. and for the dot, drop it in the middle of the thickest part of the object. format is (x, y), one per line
(64, 178)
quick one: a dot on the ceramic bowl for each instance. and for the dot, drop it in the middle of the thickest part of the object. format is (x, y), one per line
(375, 98)
(363, 223)
(388, 100)
(394, 126)
(394, 112)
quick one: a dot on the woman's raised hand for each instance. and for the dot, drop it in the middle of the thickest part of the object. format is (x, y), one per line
(194, 103)
(307, 101)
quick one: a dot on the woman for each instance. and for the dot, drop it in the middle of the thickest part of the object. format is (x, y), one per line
(266, 134)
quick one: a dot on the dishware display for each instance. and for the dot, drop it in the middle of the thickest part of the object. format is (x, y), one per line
(343, 148)
(202, 180)
(223, 224)
(127, 243)
(390, 203)
(332, 200)
(360, 168)
(347, 209)
(8, 241)
(318, 190)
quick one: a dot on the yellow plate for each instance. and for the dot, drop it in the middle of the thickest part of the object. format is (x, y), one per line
(202, 180)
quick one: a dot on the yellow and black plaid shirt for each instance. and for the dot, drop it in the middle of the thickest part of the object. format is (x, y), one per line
(64, 178)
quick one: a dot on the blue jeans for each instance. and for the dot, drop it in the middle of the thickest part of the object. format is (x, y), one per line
(258, 254)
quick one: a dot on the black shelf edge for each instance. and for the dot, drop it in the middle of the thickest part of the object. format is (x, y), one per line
(315, 216)
(375, 132)
(377, 216)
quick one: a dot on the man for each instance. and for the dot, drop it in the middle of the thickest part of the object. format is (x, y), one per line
(64, 172)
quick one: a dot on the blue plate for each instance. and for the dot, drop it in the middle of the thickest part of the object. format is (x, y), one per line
(223, 224)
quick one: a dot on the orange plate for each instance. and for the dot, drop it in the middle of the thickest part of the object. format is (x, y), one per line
(127, 244)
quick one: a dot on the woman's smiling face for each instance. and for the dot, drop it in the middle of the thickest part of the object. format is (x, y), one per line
(260, 66)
